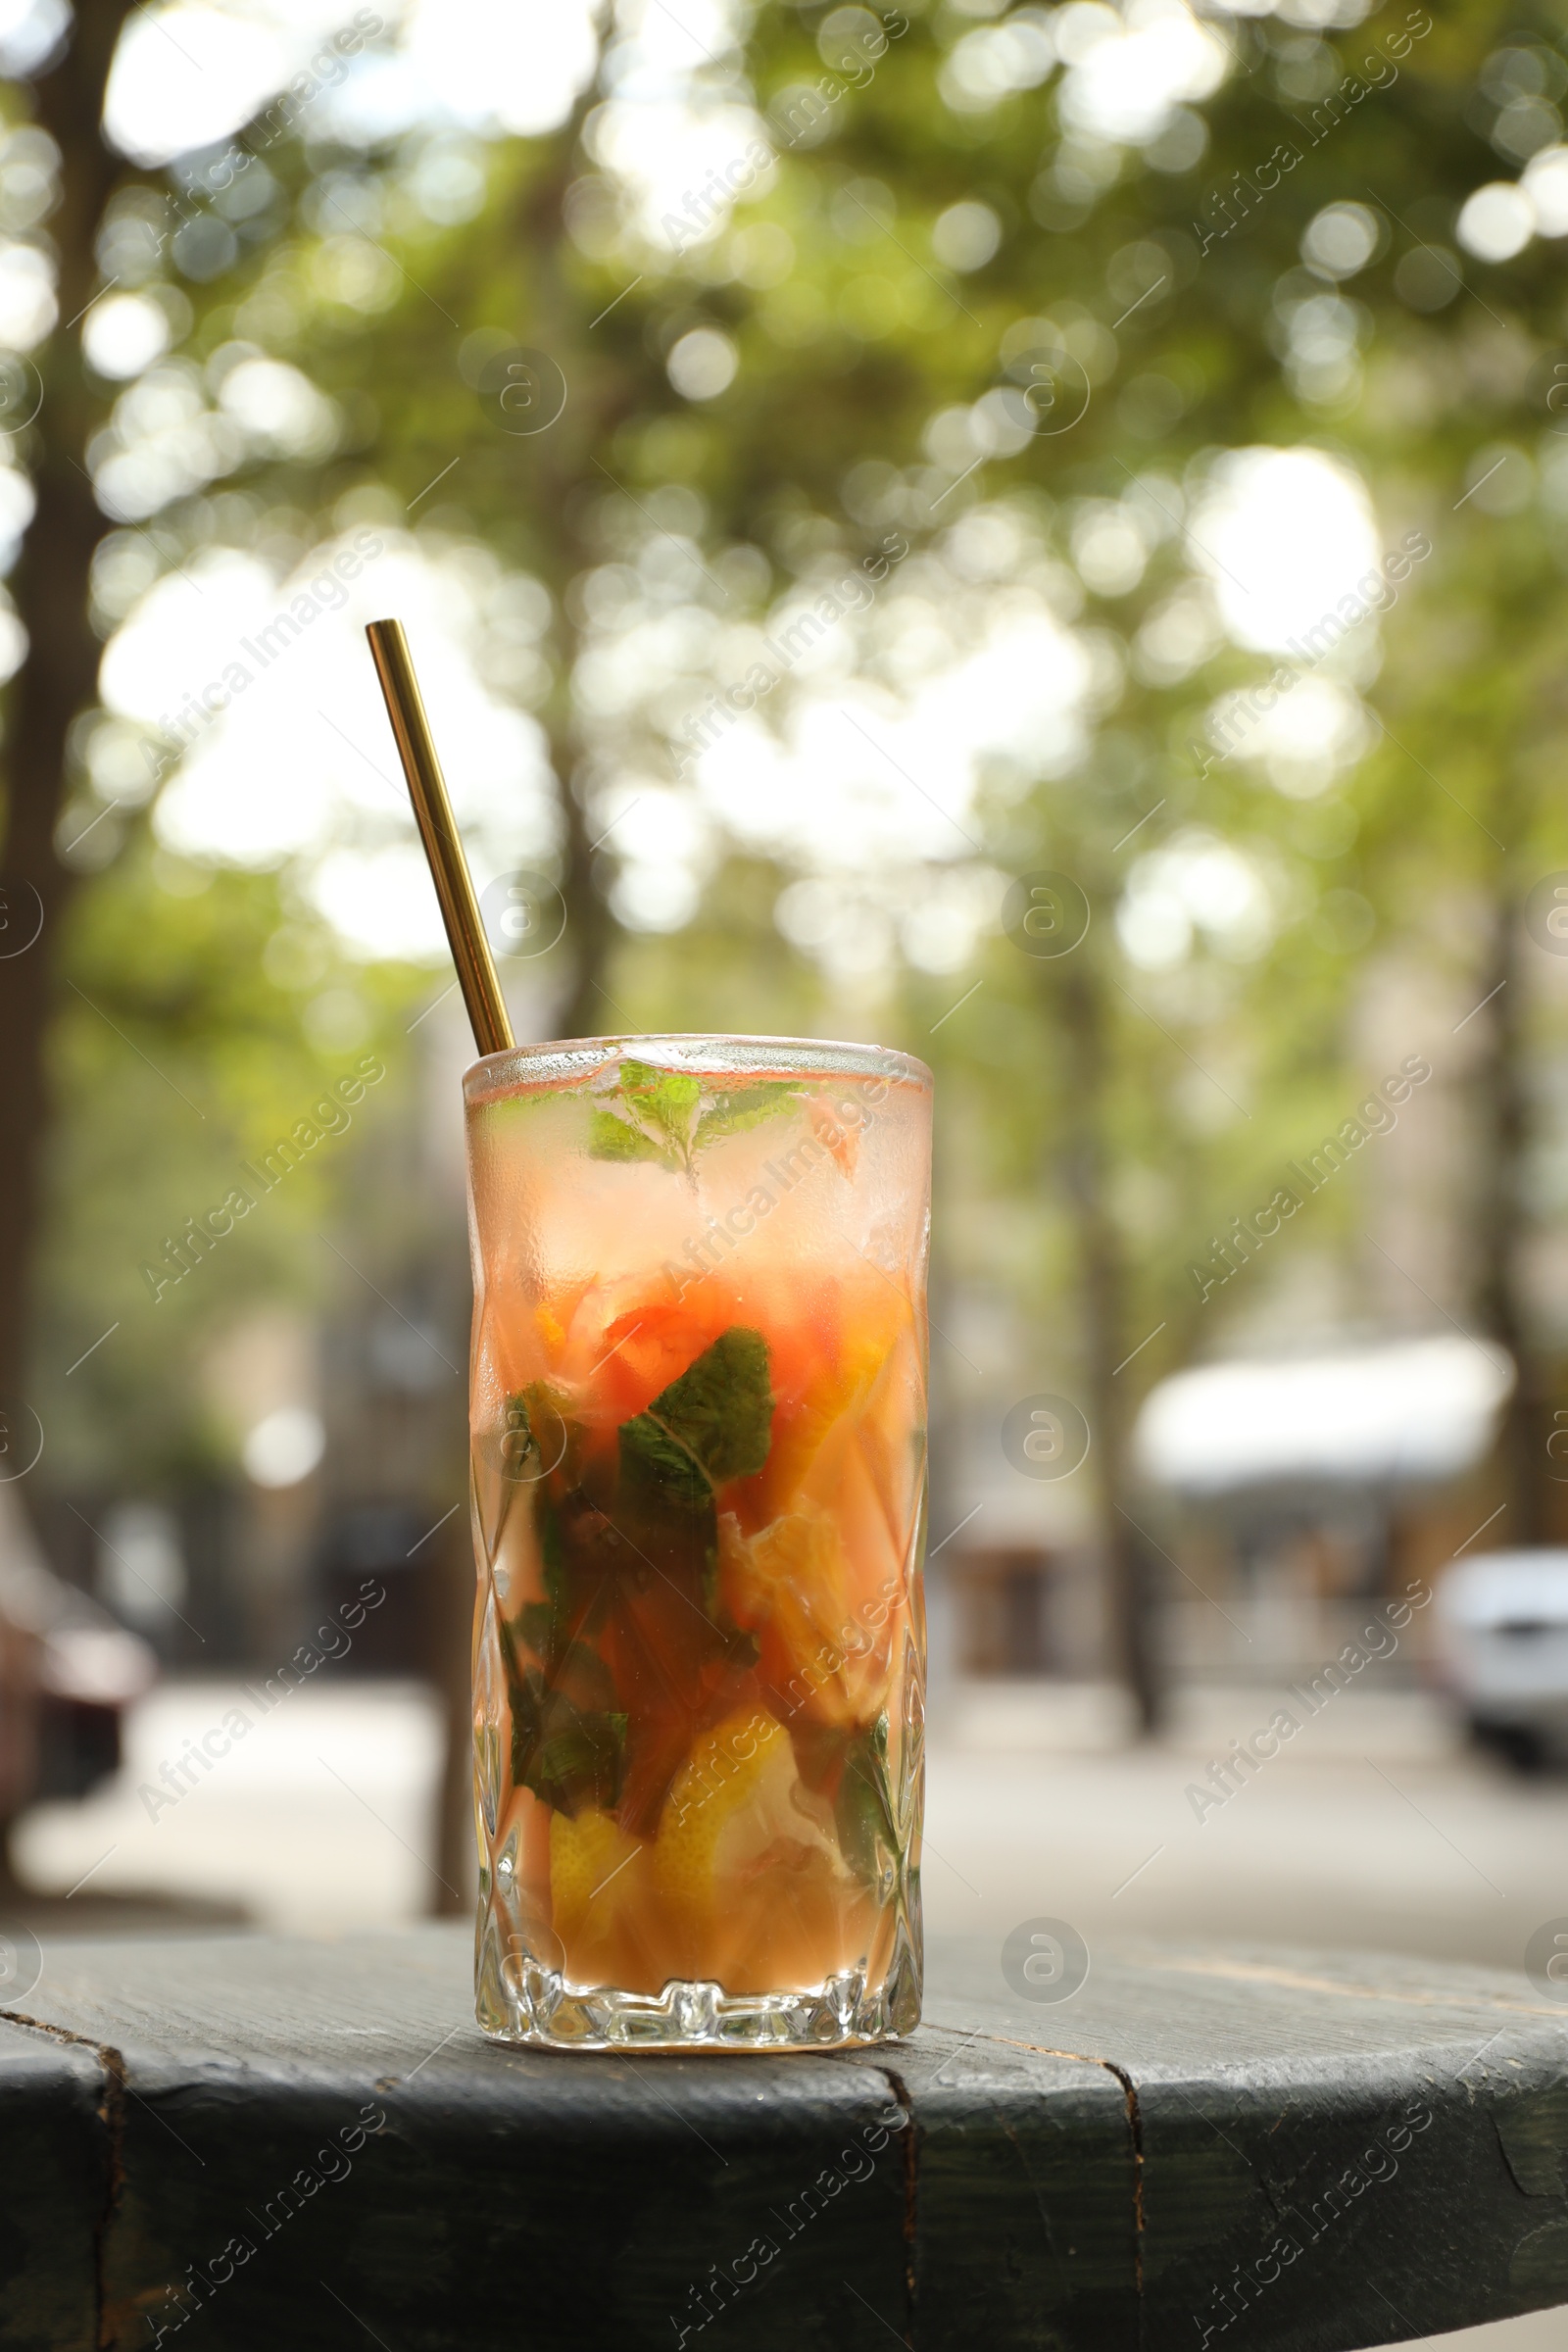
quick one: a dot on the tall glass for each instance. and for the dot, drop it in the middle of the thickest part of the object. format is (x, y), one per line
(699, 1380)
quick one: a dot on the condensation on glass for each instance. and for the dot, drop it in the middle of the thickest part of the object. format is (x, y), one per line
(699, 1449)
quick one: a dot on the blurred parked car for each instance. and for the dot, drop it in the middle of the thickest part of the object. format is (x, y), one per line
(1502, 1621)
(67, 1673)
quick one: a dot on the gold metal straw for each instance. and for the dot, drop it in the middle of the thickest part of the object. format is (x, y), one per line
(443, 847)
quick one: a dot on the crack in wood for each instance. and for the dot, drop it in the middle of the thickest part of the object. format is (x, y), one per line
(912, 2182)
(1134, 2125)
(112, 2115)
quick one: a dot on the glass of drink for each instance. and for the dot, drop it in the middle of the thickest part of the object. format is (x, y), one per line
(699, 1381)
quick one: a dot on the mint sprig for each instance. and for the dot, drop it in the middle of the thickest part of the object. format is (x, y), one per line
(712, 1424)
(663, 1115)
(628, 1558)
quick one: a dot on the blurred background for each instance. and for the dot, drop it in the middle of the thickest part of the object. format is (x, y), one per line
(1032, 534)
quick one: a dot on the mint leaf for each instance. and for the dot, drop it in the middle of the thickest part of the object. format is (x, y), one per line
(666, 1118)
(712, 1424)
(568, 1756)
(721, 1408)
(568, 1745)
(623, 1651)
(863, 1809)
(649, 1458)
(662, 1099)
(536, 1442)
(610, 1138)
(537, 1436)
(747, 1106)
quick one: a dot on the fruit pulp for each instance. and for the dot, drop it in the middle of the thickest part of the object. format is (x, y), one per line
(697, 1426)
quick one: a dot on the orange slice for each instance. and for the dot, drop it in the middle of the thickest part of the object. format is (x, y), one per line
(826, 1649)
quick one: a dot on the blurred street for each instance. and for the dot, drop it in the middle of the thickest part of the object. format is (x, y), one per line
(1376, 1828)
(320, 1818)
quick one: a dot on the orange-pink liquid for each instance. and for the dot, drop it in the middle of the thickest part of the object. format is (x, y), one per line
(698, 1457)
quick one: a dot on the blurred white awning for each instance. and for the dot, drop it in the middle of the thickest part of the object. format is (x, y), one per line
(1410, 1414)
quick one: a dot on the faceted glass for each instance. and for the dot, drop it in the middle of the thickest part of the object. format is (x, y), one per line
(697, 1413)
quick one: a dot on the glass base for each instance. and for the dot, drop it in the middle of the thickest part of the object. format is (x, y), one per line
(520, 1999)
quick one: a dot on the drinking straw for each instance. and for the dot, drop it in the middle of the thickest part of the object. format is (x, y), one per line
(438, 830)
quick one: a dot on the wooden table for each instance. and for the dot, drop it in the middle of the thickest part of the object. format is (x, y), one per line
(270, 2141)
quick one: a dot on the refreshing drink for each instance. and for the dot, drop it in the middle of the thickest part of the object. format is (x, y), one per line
(699, 1477)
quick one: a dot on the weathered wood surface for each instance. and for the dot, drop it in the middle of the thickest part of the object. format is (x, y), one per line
(247, 2142)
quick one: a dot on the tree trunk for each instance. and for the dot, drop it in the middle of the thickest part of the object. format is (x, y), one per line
(555, 471)
(589, 1011)
(1504, 1126)
(1080, 1003)
(60, 676)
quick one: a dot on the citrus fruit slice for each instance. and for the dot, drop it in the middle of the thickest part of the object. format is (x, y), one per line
(745, 1865)
(590, 1857)
(827, 1652)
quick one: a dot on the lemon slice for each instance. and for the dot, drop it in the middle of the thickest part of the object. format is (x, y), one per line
(586, 1853)
(736, 1809)
(739, 1776)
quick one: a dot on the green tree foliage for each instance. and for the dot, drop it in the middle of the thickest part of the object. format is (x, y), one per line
(204, 1020)
(946, 334)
